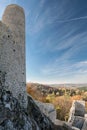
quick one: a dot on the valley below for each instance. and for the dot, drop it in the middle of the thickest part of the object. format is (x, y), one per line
(61, 96)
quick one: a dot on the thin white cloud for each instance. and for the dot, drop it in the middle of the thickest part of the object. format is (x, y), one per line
(45, 15)
(62, 67)
(67, 70)
(65, 41)
(74, 19)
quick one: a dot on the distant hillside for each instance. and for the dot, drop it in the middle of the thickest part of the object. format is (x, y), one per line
(43, 90)
(83, 88)
(39, 90)
(69, 85)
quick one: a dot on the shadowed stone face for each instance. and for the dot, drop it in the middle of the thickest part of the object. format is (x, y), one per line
(12, 51)
(48, 109)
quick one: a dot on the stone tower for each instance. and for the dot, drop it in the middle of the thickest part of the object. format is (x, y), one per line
(12, 51)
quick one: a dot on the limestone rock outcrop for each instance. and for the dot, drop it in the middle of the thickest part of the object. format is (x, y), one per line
(48, 109)
(14, 117)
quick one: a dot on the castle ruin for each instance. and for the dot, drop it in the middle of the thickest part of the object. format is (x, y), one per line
(12, 51)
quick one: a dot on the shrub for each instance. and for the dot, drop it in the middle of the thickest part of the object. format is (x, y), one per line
(62, 105)
(84, 97)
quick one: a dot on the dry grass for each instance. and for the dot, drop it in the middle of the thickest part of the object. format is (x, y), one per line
(62, 105)
(36, 94)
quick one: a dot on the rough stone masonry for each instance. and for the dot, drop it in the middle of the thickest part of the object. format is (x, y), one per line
(12, 52)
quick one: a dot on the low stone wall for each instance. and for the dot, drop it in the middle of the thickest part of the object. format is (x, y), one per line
(78, 115)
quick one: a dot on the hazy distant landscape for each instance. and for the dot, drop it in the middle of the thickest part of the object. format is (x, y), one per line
(69, 85)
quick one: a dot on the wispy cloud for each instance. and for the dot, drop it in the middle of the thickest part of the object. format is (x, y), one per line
(56, 37)
(48, 13)
(67, 71)
(62, 66)
(44, 15)
(70, 20)
(69, 41)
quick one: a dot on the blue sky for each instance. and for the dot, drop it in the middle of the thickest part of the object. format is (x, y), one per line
(56, 40)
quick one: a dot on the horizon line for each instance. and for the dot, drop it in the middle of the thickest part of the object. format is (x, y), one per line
(54, 83)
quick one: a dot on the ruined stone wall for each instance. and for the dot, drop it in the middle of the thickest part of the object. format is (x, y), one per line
(12, 51)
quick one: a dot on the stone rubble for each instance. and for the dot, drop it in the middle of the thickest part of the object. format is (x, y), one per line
(78, 115)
